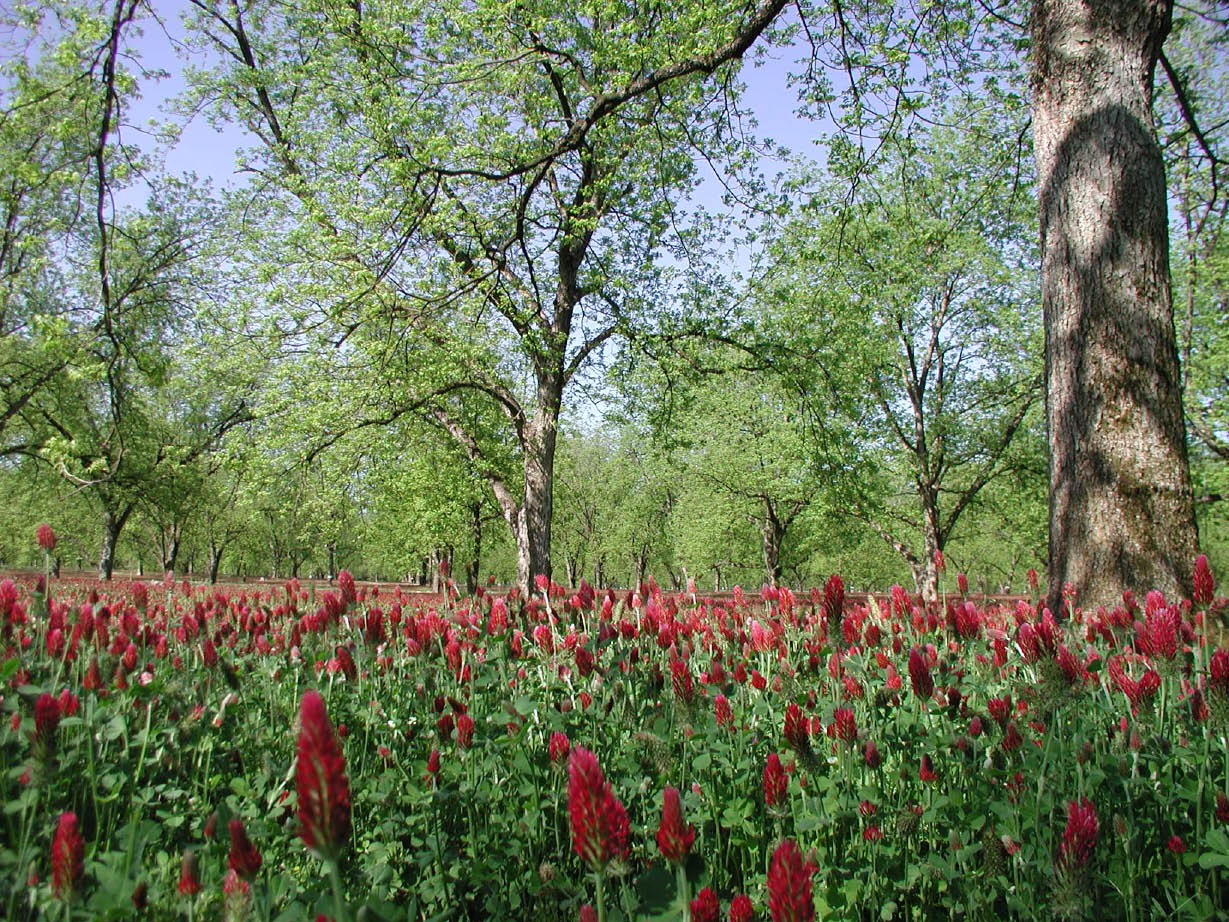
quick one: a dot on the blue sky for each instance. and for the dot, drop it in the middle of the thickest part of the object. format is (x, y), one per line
(211, 154)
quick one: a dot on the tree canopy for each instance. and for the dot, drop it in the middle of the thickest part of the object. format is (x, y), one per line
(466, 314)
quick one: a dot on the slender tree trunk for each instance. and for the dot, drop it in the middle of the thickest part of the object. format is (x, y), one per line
(112, 524)
(1121, 506)
(642, 565)
(433, 562)
(927, 572)
(215, 560)
(474, 567)
(332, 549)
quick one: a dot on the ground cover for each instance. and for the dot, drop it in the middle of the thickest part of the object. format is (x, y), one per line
(283, 751)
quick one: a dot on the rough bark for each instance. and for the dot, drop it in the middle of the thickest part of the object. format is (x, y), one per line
(1121, 508)
(927, 572)
(533, 532)
(170, 555)
(772, 533)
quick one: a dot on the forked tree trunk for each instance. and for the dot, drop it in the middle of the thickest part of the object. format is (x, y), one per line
(642, 567)
(171, 556)
(772, 533)
(1121, 507)
(112, 524)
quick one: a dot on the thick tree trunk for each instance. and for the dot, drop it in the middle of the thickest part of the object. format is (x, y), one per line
(537, 507)
(112, 524)
(772, 533)
(171, 554)
(1121, 508)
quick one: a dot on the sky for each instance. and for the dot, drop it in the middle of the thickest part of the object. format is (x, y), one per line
(210, 153)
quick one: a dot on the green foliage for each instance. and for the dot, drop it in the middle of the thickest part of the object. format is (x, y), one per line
(173, 746)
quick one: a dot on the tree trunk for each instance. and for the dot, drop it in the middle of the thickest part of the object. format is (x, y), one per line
(112, 525)
(530, 519)
(926, 573)
(772, 533)
(215, 561)
(474, 567)
(171, 555)
(331, 547)
(1121, 506)
(537, 507)
(433, 564)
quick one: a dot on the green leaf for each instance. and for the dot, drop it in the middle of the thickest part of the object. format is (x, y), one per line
(655, 890)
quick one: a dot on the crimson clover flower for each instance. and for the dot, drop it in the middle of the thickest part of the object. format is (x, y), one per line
(1204, 584)
(919, 675)
(775, 781)
(320, 781)
(67, 856)
(674, 834)
(244, 858)
(46, 538)
(705, 907)
(789, 885)
(1080, 837)
(599, 821)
